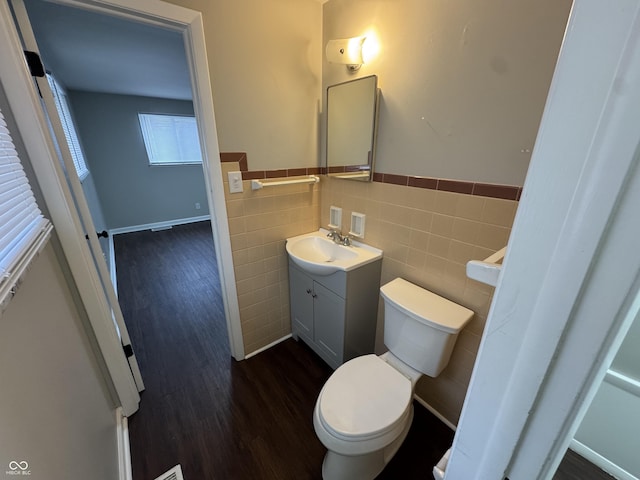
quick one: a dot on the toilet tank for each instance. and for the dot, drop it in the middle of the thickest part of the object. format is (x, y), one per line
(420, 327)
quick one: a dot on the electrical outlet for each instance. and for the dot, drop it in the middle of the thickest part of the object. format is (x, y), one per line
(197, 205)
(235, 182)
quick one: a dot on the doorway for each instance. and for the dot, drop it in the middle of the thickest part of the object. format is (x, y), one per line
(188, 25)
(202, 105)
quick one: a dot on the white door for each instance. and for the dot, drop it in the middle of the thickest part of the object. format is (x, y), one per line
(80, 202)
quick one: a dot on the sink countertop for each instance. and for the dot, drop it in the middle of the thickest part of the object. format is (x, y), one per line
(316, 253)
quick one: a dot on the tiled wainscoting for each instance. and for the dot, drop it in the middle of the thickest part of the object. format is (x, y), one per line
(259, 223)
(427, 237)
(427, 233)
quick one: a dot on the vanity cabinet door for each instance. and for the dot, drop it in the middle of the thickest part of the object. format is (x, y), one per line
(301, 293)
(328, 325)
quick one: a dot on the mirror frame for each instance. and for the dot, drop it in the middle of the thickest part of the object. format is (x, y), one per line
(361, 172)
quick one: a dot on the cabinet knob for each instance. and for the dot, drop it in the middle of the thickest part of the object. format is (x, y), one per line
(308, 290)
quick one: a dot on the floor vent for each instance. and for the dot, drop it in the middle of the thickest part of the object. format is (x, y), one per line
(174, 474)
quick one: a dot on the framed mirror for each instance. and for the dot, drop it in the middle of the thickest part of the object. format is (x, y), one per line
(352, 123)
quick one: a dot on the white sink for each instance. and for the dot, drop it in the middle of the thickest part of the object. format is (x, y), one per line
(315, 253)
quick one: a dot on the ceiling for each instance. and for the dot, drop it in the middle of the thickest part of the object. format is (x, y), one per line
(99, 53)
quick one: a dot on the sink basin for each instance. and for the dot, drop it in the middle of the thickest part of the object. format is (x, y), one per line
(317, 254)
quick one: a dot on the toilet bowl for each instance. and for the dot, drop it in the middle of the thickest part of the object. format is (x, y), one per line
(364, 411)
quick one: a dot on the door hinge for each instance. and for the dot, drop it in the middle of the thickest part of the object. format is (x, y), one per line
(34, 63)
(128, 350)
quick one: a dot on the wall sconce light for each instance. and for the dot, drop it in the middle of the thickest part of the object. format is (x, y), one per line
(347, 51)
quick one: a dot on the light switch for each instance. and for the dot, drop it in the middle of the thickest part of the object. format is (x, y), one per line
(235, 182)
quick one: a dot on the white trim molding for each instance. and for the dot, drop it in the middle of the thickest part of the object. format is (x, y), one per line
(195, 47)
(602, 462)
(435, 412)
(190, 24)
(27, 111)
(158, 225)
(267, 347)
(124, 450)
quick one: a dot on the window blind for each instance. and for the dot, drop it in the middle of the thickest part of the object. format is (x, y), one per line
(23, 229)
(69, 128)
(170, 139)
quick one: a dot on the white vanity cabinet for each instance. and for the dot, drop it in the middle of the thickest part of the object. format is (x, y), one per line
(335, 314)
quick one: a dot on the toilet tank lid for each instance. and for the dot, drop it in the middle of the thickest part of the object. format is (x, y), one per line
(426, 306)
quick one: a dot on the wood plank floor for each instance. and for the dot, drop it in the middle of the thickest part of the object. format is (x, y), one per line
(218, 418)
(575, 467)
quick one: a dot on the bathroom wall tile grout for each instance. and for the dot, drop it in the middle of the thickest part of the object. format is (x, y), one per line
(427, 237)
(259, 222)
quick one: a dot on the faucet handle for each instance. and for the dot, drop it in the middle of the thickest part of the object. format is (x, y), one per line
(346, 240)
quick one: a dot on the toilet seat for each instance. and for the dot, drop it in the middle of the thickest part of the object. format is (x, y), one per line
(364, 398)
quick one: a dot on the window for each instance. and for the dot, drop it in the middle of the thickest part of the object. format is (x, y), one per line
(170, 139)
(23, 229)
(62, 105)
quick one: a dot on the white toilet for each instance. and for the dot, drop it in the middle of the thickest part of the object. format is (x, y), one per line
(365, 409)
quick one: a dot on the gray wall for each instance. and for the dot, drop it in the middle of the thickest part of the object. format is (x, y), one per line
(56, 412)
(130, 191)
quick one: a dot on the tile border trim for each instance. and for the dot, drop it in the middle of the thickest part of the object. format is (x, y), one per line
(240, 157)
(505, 192)
(283, 172)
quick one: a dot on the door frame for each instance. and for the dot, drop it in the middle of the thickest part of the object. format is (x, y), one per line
(29, 41)
(568, 290)
(190, 24)
(33, 128)
(29, 116)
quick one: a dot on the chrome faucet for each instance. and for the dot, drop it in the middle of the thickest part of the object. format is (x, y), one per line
(338, 238)
(334, 235)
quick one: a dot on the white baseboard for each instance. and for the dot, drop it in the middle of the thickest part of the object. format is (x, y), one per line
(600, 461)
(124, 452)
(435, 412)
(159, 225)
(266, 347)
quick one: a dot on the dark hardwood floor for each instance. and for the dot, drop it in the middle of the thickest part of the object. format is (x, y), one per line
(218, 418)
(575, 467)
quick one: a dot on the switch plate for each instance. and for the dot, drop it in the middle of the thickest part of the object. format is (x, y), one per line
(235, 182)
(335, 217)
(357, 224)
